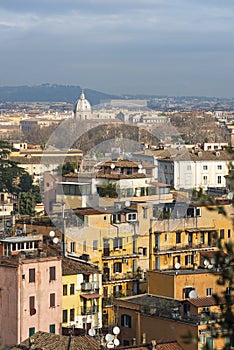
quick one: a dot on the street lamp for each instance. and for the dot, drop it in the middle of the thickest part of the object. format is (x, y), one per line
(110, 341)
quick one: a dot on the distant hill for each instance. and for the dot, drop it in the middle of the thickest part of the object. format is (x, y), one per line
(50, 93)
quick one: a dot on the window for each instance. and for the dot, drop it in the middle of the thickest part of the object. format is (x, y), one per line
(178, 237)
(229, 290)
(84, 246)
(132, 217)
(144, 251)
(31, 275)
(166, 237)
(219, 167)
(187, 291)
(31, 331)
(118, 244)
(52, 300)
(221, 234)
(72, 315)
(52, 273)
(202, 237)
(208, 292)
(52, 328)
(95, 244)
(188, 259)
(219, 179)
(205, 167)
(188, 167)
(117, 267)
(209, 343)
(72, 289)
(145, 213)
(64, 316)
(205, 180)
(65, 289)
(116, 218)
(31, 304)
(73, 247)
(105, 218)
(105, 292)
(126, 321)
(229, 233)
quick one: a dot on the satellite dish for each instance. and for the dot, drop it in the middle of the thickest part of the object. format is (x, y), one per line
(140, 166)
(140, 171)
(193, 294)
(212, 261)
(52, 233)
(110, 345)
(210, 266)
(127, 204)
(116, 342)
(116, 330)
(92, 332)
(112, 166)
(109, 337)
(55, 240)
(206, 262)
(177, 266)
(230, 196)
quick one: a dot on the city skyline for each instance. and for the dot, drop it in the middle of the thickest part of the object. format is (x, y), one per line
(141, 47)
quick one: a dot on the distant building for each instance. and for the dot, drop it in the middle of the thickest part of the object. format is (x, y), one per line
(82, 108)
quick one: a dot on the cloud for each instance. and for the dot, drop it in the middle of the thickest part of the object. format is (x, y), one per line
(112, 40)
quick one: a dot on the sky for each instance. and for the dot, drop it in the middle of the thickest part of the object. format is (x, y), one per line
(158, 47)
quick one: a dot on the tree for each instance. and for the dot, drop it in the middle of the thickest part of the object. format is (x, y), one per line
(9, 170)
(26, 203)
(25, 183)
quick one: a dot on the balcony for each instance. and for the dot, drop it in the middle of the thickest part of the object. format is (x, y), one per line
(89, 286)
(91, 310)
(183, 247)
(121, 277)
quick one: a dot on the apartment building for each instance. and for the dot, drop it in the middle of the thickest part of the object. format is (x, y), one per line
(183, 235)
(82, 296)
(178, 304)
(31, 296)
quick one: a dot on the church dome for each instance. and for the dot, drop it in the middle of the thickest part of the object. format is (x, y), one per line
(82, 105)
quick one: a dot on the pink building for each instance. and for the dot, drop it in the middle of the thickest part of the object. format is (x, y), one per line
(30, 296)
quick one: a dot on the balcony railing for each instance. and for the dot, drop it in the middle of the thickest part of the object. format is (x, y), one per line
(89, 310)
(200, 319)
(121, 276)
(89, 286)
(183, 246)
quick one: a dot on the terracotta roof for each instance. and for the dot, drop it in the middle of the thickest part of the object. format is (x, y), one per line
(173, 345)
(120, 176)
(207, 301)
(121, 163)
(72, 267)
(48, 341)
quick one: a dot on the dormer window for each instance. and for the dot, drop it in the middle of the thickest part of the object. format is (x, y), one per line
(132, 217)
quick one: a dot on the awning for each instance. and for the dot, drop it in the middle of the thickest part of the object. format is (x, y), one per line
(90, 296)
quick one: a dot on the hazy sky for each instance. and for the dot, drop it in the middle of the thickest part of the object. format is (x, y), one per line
(166, 47)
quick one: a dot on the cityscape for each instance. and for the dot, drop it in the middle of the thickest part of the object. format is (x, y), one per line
(116, 175)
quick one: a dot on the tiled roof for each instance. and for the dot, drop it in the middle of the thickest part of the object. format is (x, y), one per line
(207, 301)
(72, 267)
(48, 341)
(120, 176)
(173, 345)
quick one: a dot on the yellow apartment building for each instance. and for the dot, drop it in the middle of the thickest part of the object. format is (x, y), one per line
(177, 303)
(185, 236)
(82, 296)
